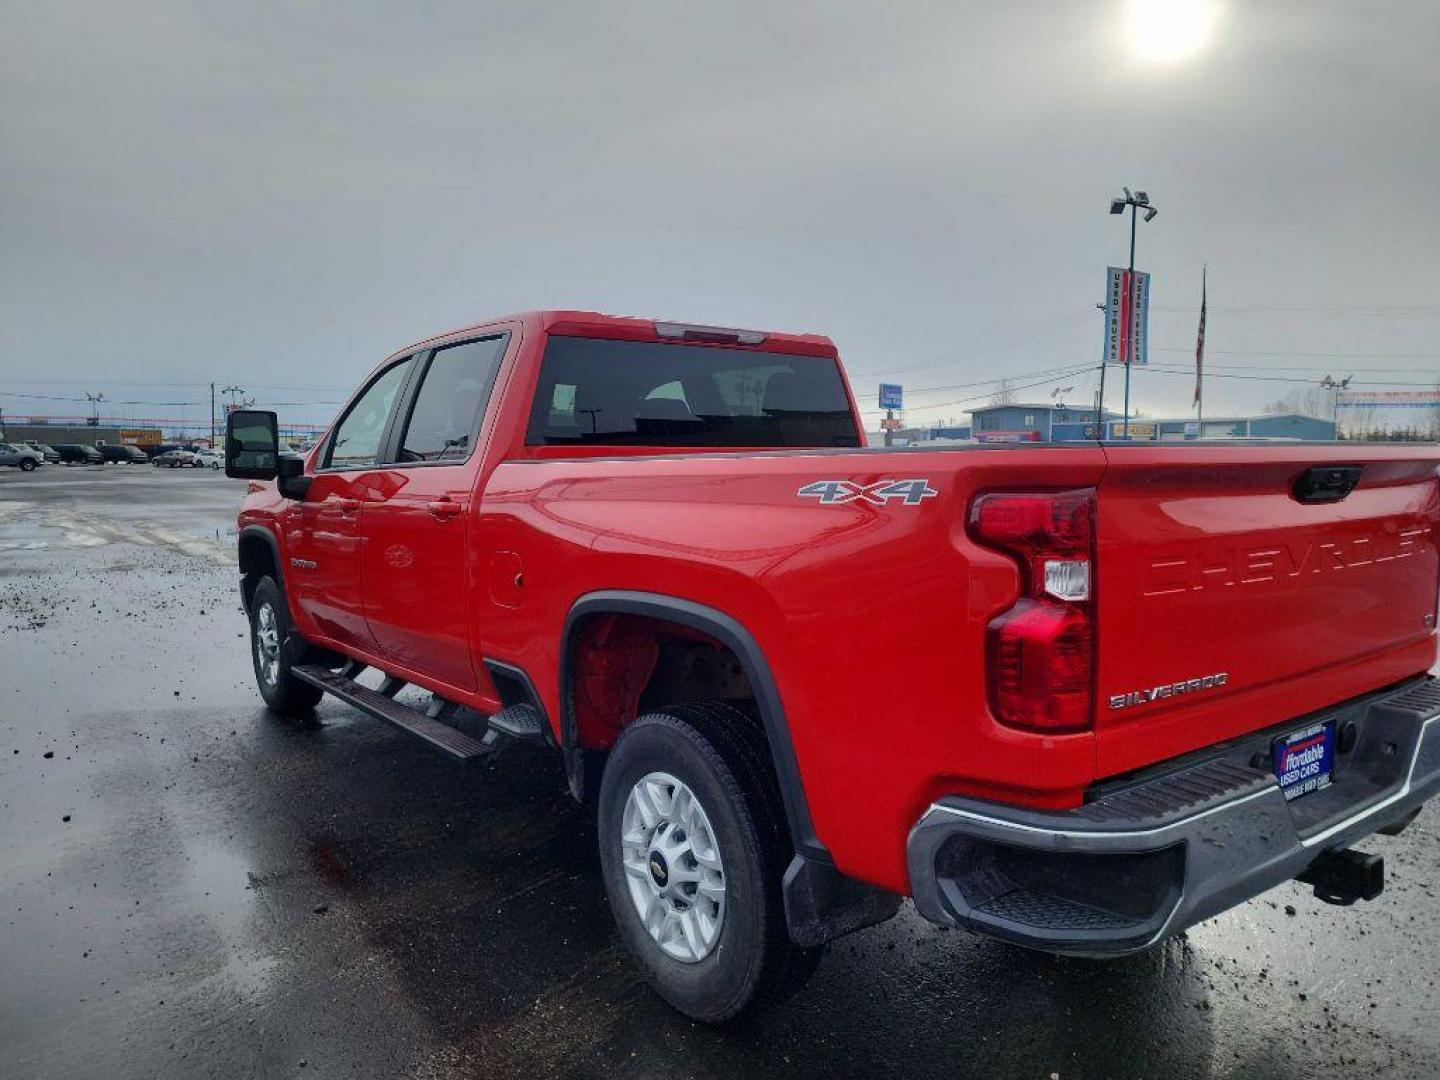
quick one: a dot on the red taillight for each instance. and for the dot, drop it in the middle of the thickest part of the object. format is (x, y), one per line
(1041, 652)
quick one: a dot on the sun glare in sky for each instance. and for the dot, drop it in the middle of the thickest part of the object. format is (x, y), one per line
(1169, 31)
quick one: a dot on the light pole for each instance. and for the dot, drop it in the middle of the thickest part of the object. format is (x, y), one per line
(1337, 385)
(1137, 202)
(235, 393)
(94, 400)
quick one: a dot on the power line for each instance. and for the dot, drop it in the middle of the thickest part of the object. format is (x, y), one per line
(58, 380)
(1321, 370)
(978, 397)
(1036, 331)
(1293, 352)
(131, 401)
(1359, 309)
(1283, 378)
(1075, 368)
(110, 401)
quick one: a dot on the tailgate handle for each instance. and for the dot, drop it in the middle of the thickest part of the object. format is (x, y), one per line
(1326, 483)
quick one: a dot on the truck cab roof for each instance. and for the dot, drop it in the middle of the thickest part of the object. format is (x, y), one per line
(577, 323)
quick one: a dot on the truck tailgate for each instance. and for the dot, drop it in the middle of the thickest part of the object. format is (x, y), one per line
(1226, 604)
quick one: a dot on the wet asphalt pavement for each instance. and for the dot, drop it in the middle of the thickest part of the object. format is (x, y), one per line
(191, 888)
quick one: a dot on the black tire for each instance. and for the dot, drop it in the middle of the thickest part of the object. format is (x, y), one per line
(720, 753)
(283, 693)
(27, 465)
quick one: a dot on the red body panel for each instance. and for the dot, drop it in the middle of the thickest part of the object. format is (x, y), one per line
(1207, 565)
(416, 576)
(324, 530)
(872, 617)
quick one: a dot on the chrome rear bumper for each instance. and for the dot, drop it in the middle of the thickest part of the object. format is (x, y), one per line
(1145, 861)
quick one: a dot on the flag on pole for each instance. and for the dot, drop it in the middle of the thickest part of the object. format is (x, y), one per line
(1200, 340)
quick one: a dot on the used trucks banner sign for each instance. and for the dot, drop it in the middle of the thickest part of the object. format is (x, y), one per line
(1127, 316)
(1388, 399)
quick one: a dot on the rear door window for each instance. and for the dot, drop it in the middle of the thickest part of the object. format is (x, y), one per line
(631, 393)
(445, 419)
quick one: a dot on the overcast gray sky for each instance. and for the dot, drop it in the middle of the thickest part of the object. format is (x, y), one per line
(280, 195)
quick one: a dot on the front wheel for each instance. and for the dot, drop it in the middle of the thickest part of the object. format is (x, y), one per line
(27, 465)
(269, 629)
(693, 848)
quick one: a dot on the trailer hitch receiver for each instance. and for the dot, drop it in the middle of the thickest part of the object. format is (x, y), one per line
(1342, 877)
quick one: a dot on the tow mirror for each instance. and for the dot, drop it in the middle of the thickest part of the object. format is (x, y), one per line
(252, 445)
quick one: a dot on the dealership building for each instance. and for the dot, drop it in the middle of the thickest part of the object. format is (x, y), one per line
(85, 434)
(1065, 423)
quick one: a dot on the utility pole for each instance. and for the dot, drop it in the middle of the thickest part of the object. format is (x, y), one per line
(1130, 284)
(1136, 202)
(1200, 354)
(212, 416)
(1100, 395)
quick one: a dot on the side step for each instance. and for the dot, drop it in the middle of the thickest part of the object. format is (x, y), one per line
(522, 723)
(450, 741)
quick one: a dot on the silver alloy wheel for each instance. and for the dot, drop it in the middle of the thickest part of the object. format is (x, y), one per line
(673, 867)
(267, 644)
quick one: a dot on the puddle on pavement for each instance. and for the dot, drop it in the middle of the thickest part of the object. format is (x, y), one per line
(219, 885)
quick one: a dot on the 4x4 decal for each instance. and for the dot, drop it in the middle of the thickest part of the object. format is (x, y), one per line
(831, 492)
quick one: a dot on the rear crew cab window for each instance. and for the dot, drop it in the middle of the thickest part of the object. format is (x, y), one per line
(595, 391)
(356, 444)
(445, 419)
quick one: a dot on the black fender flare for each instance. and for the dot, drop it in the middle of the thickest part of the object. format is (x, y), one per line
(821, 903)
(733, 635)
(251, 532)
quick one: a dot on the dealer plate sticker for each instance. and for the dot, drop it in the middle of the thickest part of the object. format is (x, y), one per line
(1305, 760)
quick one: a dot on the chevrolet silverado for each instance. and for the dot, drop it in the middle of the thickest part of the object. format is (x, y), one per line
(1075, 696)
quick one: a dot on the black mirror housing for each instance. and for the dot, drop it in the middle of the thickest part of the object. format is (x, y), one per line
(293, 482)
(252, 445)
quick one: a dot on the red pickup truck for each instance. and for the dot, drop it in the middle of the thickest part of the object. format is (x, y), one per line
(1078, 697)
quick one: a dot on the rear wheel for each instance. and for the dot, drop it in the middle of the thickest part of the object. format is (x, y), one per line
(269, 629)
(693, 848)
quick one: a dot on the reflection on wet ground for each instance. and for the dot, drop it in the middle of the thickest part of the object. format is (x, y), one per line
(189, 887)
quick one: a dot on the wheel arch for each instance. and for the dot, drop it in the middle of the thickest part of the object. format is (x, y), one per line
(259, 555)
(733, 635)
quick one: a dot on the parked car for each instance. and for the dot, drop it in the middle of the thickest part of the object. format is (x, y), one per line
(156, 449)
(122, 454)
(22, 457)
(209, 459)
(78, 454)
(1077, 697)
(51, 455)
(175, 459)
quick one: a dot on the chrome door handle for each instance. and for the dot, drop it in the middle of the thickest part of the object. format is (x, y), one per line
(444, 508)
